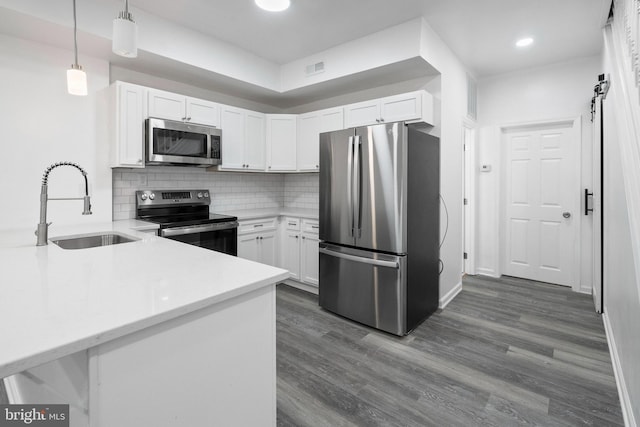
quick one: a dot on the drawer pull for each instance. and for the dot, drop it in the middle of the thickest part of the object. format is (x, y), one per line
(258, 225)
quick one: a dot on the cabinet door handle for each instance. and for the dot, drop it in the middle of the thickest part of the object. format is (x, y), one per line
(303, 237)
(315, 226)
(258, 225)
(296, 236)
(587, 194)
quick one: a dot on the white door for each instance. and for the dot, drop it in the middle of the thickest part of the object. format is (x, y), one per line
(166, 105)
(309, 262)
(281, 142)
(542, 200)
(308, 140)
(248, 247)
(203, 112)
(407, 106)
(268, 248)
(254, 140)
(291, 253)
(232, 123)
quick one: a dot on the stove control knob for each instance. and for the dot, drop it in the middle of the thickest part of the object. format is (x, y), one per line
(206, 195)
(152, 196)
(144, 196)
(199, 195)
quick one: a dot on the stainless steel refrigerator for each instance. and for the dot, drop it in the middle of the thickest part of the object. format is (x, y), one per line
(379, 224)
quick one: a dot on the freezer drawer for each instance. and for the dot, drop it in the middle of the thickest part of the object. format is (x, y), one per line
(367, 287)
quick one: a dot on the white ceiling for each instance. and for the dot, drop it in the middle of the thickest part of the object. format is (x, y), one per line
(481, 32)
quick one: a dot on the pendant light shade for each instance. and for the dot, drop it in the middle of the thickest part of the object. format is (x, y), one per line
(76, 77)
(125, 34)
(273, 5)
(77, 80)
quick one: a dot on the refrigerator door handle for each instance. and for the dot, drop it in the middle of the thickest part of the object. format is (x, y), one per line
(350, 184)
(357, 188)
(376, 262)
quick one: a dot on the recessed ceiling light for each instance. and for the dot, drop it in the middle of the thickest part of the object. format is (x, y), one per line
(527, 41)
(273, 5)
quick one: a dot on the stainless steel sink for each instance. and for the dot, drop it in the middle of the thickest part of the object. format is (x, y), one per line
(85, 241)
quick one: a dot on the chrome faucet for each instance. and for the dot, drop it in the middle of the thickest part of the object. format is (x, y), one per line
(43, 227)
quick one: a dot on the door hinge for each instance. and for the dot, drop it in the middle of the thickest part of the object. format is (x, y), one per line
(464, 255)
(465, 201)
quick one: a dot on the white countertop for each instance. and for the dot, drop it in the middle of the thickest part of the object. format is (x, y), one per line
(262, 213)
(55, 302)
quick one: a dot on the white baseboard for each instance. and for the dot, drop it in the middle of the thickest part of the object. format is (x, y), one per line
(623, 393)
(303, 286)
(584, 291)
(487, 272)
(446, 299)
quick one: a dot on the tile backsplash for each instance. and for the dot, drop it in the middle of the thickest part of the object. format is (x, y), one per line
(229, 190)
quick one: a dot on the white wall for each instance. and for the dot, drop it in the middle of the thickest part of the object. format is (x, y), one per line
(391, 45)
(452, 86)
(159, 37)
(558, 91)
(184, 88)
(622, 258)
(43, 124)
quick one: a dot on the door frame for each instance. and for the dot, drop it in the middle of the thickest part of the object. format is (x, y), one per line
(469, 193)
(575, 124)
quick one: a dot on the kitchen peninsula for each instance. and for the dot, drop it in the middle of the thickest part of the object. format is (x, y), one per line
(149, 332)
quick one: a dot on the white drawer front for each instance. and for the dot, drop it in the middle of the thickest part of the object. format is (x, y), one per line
(256, 225)
(310, 226)
(292, 223)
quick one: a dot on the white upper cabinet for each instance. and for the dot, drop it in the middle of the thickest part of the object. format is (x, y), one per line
(362, 114)
(232, 124)
(199, 111)
(171, 106)
(127, 105)
(281, 142)
(254, 140)
(412, 106)
(310, 126)
(243, 139)
(166, 105)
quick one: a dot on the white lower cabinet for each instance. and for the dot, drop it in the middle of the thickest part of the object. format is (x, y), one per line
(257, 240)
(299, 249)
(309, 258)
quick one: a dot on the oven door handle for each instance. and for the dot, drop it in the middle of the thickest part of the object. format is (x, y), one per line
(178, 231)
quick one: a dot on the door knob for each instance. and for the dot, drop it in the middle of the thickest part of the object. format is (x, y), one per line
(566, 214)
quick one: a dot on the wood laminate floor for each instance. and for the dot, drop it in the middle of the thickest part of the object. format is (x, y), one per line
(503, 352)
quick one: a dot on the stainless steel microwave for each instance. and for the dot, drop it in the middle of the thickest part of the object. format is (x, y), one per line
(169, 142)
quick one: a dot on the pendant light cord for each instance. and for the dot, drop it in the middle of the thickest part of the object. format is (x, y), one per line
(75, 33)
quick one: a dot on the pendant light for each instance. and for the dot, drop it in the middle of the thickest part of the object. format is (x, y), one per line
(273, 5)
(125, 34)
(76, 77)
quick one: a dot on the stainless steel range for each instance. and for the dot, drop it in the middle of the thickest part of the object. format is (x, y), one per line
(184, 216)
